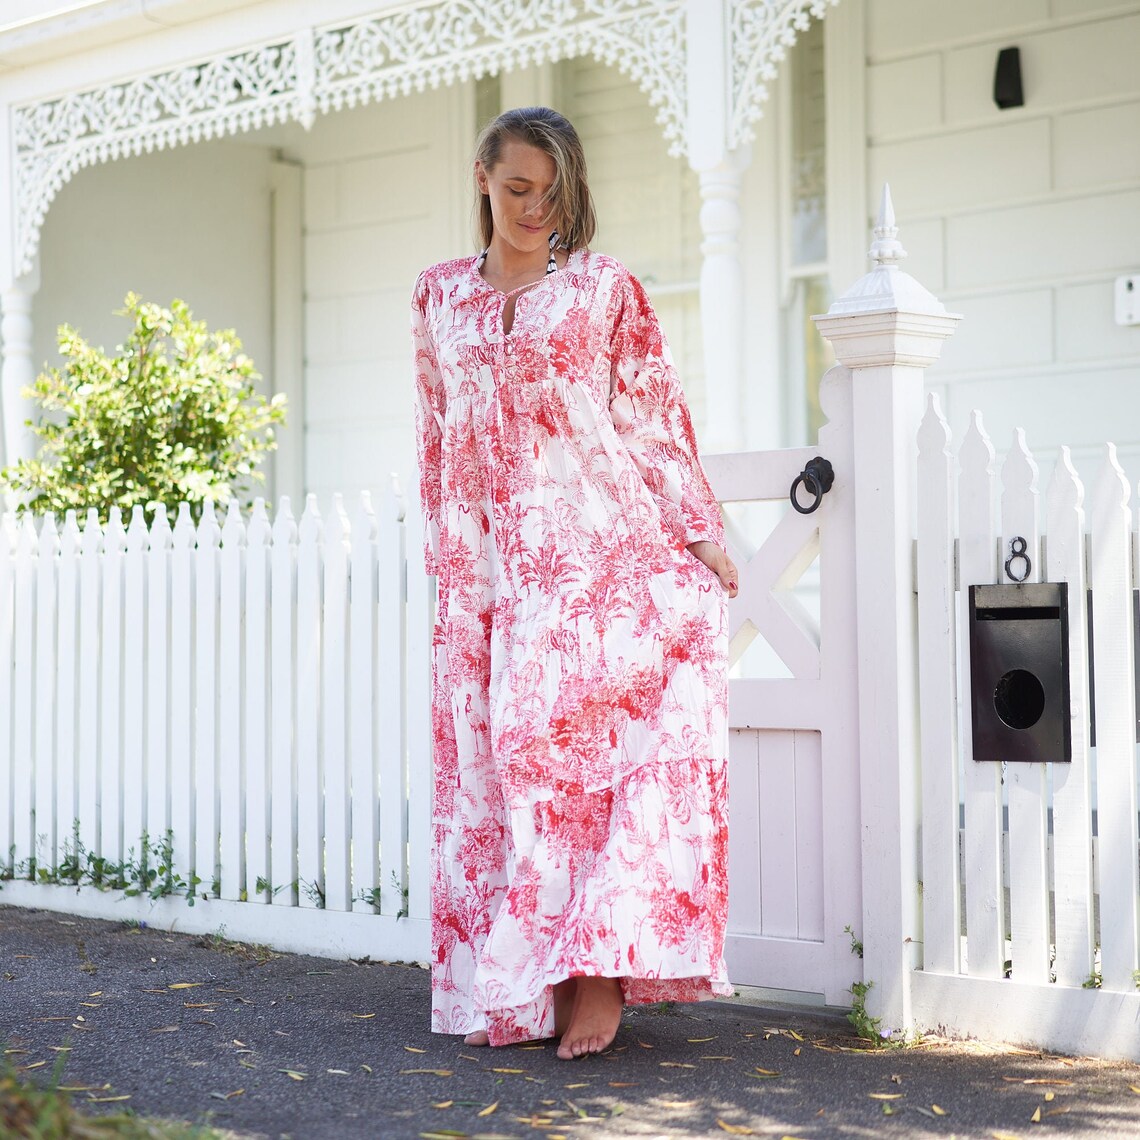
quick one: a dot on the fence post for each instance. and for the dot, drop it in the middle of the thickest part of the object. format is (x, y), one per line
(887, 328)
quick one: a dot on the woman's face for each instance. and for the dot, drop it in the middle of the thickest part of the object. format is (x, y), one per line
(516, 186)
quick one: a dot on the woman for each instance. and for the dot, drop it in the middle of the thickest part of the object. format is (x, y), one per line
(580, 685)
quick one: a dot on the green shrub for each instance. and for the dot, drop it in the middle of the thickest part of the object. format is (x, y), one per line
(174, 416)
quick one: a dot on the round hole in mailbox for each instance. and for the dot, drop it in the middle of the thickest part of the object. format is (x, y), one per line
(1019, 699)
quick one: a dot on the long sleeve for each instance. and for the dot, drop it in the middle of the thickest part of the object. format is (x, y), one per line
(647, 404)
(430, 405)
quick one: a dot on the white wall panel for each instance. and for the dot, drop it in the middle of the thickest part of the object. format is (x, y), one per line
(950, 172)
(895, 27)
(1094, 148)
(1043, 241)
(1086, 329)
(905, 96)
(1002, 330)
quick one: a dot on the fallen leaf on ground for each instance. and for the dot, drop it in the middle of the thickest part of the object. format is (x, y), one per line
(488, 1110)
(1049, 1096)
(793, 1034)
(645, 1045)
(366, 1016)
(938, 1111)
(293, 1074)
(1036, 1117)
(410, 1048)
(579, 1085)
(1057, 1111)
(227, 1096)
(887, 1110)
(508, 1070)
(434, 1072)
(699, 1040)
(106, 1099)
(676, 1065)
(735, 1129)
(886, 1096)
(367, 1068)
(167, 1029)
(1036, 1081)
(442, 1104)
(338, 1072)
(1135, 1089)
(795, 1052)
(184, 985)
(622, 1084)
(767, 1072)
(712, 1058)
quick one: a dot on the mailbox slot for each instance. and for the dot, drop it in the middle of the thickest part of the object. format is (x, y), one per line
(1019, 672)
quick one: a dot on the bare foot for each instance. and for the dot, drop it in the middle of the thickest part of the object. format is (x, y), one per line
(564, 994)
(596, 1017)
(479, 1037)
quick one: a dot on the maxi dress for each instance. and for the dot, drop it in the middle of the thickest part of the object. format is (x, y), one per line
(580, 692)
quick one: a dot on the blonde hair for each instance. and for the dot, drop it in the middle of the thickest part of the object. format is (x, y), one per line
(569, 198)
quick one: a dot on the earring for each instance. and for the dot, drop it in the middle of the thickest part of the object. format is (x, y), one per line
(551, 264)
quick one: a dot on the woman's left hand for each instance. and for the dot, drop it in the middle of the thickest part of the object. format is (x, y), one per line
(718, 562)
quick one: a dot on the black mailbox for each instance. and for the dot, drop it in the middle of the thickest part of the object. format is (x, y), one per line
(1019, 672)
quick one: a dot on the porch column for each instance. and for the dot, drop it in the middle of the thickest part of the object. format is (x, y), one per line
(18, 369)
(887, 329)
(720, 169)
(722, 304)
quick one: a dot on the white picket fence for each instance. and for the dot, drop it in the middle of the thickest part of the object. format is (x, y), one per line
(1044, 946)
(253, 690)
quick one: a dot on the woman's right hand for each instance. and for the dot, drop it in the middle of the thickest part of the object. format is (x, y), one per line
(718, 562)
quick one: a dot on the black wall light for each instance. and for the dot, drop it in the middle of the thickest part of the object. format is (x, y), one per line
(1007, 79)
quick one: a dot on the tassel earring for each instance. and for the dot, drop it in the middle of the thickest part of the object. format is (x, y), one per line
(552, 265)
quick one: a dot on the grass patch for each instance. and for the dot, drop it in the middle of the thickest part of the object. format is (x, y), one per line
(30, 1111)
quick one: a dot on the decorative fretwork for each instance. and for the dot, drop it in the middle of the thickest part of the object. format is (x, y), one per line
(391, 53)
(761, 33)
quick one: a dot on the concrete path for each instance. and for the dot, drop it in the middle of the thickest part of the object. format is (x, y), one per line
(311, 1049)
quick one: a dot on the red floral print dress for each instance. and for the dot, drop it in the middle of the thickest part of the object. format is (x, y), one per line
(580, 651)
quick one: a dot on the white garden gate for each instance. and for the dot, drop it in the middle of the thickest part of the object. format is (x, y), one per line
(794, 866)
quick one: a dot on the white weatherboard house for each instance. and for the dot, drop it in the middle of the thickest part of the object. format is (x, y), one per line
(286, 167)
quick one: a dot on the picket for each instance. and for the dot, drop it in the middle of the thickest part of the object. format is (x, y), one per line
(1110, 578)
(985, 910)
(90, 629)
(134, 697)
(182, 725)
(392, 680)
(334, 710)
(45, 658)
(112, 846)
(362, 705)
(231, 677)
(205, 779)
(941, 881)
(66, 703)
(310, 774)
(158, 676)
(258, 819)
(282, 887)
(23, 703)
(1074, 937)
(7, 656)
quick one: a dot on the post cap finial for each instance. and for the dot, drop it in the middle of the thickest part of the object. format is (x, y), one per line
(886, 288)
(886, 250)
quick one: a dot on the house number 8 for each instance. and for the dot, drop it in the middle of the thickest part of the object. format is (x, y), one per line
(1017, 549)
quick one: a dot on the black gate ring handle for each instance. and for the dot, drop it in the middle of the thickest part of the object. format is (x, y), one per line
(816, 477)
